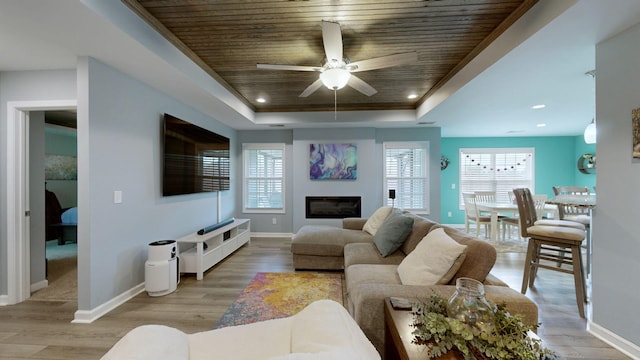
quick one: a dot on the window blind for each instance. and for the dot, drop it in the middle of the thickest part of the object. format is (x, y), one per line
(500, 170)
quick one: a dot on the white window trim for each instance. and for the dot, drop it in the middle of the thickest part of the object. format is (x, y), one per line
(263, 146)
(400, 144)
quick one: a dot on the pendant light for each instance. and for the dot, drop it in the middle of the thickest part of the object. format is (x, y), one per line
(590, 130)
(590, 133)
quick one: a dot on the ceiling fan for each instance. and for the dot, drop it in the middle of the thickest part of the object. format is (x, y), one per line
(338, 71)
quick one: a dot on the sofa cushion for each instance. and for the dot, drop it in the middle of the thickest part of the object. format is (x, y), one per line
(375, 221)
(367, 253)
(323, 240)
(382, 275)
(421, 227)
(325, 327)
(392, 233)
(435, 260)
(480, 256)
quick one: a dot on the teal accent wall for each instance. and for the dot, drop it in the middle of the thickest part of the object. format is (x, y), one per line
(556, 161)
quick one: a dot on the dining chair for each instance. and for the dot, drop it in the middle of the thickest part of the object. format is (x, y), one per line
(473, 215)
(573, 213)
(485, 196)
(514, 222)
(550, 243)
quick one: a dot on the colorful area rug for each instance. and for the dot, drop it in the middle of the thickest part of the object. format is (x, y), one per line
(277, 295)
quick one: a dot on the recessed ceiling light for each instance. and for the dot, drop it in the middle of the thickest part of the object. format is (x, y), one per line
(261, 100)
(541, 125)
(412, 96)
(540, 106)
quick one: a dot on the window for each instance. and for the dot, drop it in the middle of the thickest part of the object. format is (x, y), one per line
(406, 171)
(500, 170)
(263, 178)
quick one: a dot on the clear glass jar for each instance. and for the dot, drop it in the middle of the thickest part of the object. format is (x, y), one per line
(469, 305)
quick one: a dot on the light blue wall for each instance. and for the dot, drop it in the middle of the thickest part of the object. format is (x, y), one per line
(25, 86)
(263, 223)
(616, 239)
(119, 148)
(369, 182)
(555, 164)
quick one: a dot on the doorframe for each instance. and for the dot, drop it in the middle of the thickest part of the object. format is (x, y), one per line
(17, 190)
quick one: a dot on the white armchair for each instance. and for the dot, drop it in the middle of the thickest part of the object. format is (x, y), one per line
(322, 330)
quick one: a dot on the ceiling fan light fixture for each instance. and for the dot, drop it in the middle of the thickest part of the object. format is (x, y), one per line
(335, 78)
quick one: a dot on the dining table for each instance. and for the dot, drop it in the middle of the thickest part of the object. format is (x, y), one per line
(585, 201)
(496, 208)
(504, 208)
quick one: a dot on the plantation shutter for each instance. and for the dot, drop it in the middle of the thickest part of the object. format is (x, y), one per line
(406, 172)
(263, 177)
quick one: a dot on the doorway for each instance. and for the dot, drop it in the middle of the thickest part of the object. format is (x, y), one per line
(18, 233)
(59, 242)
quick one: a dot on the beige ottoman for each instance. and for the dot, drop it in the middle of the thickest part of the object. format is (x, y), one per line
(321, 247)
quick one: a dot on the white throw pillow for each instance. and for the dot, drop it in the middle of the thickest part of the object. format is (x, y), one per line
(375, 220)
(435, 260)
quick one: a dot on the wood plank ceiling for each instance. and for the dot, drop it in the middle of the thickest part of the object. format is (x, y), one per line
(228, 38)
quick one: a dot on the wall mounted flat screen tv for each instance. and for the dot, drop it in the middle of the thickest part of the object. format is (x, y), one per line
(195, 159)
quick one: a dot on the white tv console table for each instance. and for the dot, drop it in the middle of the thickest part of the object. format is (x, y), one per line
(195, 259)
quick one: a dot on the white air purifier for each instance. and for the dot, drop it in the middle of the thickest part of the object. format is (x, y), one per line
(161, 276)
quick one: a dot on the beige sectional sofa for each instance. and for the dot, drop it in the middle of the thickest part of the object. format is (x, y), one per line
(370, 277)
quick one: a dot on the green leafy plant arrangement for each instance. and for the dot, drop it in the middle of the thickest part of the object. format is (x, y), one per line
(507, 339)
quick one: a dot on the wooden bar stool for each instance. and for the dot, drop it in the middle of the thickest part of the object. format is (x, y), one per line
(559, 243)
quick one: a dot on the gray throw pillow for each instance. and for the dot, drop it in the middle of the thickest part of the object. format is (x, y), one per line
(393, 232)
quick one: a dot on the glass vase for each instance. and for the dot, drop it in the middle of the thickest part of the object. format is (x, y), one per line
(469, 305)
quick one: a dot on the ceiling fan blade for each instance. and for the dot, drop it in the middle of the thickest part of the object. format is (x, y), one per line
(359, 84)
(311, 88)
(332, 40)
(384, 62)
(288, 67)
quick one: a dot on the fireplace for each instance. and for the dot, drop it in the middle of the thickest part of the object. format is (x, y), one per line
(333, 207)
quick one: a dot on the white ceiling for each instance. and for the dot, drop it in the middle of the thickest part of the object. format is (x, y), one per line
(547, 68)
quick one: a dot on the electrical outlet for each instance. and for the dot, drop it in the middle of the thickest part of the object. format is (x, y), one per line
(449, 214)
(274, 221)
(453, 186)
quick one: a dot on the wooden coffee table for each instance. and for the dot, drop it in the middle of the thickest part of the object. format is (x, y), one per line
(398, 337)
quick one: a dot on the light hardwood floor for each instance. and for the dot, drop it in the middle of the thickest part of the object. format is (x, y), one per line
(42, 329)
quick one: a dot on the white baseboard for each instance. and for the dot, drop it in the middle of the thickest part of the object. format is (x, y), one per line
(259, 234)
(39, 285)
(623, 345)
(88, 316)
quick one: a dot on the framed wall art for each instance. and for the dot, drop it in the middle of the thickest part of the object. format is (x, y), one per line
(60, 167)
(333, 161)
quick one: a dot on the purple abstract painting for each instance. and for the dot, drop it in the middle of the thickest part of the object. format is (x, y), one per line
(333, 161)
